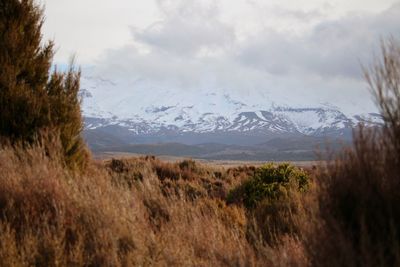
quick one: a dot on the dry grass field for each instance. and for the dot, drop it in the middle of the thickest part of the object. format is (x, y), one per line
(134, 212)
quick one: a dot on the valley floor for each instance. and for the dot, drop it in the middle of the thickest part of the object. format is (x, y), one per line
(222, 163)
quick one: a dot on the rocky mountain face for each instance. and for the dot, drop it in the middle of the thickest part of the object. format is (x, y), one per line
(116, 115)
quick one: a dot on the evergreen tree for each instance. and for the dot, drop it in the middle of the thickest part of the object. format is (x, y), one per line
(32, 99)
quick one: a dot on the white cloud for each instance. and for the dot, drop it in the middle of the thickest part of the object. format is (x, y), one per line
(89, 27)
(188, 29)
(331, 48)
(305, 50)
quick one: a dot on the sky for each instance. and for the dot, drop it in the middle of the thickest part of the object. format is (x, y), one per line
(310, 49)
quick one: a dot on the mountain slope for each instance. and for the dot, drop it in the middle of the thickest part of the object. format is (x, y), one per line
(147, 113)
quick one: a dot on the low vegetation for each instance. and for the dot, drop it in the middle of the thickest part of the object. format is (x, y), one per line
(273, 198)
(270, 183)
(128, 212)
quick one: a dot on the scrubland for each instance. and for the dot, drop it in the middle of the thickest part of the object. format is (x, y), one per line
(142, 212)
(148, 212)
(60, 207)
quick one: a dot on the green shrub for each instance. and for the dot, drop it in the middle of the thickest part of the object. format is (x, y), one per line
(274, 201)
(33, 100)
(269, 182)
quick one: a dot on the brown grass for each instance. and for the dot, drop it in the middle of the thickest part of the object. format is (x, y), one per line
(131, 212)
(358, 220)
(359, 214)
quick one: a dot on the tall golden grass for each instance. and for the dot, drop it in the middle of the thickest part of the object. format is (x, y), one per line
(137, 212)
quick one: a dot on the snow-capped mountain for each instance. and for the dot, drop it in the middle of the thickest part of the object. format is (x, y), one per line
(140, 109)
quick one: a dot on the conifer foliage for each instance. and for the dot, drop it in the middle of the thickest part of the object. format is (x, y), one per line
(33, 99)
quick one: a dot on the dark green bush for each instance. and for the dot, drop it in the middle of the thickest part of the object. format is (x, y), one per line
(269, 182)
(273, 198)
(34, 101)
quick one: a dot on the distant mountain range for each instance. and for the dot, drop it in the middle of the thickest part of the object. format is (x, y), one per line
(209, 124)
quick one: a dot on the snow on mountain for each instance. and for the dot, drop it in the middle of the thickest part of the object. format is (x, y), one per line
(143, 107)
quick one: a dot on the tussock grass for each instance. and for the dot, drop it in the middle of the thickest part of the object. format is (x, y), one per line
(128, 212)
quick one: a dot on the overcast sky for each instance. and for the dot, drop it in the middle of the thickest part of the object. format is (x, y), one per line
(287, 45)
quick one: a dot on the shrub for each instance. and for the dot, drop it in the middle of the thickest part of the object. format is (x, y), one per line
(270, 182)
(359, 196)
(188, 164)
(53, 217)
(65, 116)
(50, 218)
(186, 179)
(33, 101)
(273, 197)
(125, 172)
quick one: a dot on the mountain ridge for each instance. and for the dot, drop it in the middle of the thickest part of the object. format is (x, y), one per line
(135, 116)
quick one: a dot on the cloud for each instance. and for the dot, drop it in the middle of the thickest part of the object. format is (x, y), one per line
(191, 47)
(332, 48)
(189, 29)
